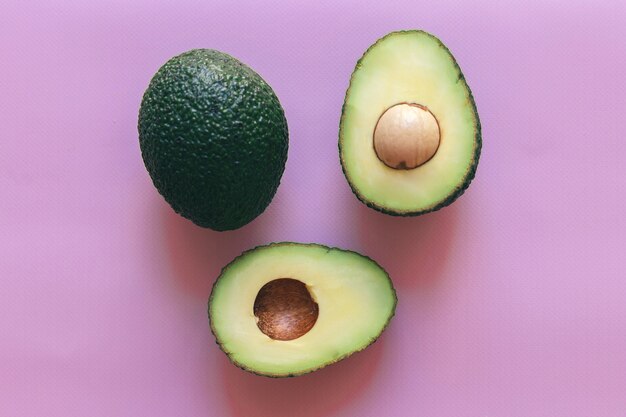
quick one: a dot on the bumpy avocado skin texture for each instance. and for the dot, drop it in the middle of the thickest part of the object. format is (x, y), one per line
(295, 374)
(471, 172)
(214, 138)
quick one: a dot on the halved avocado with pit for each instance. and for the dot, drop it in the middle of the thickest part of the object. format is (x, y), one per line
(410, 136)
(289, 308)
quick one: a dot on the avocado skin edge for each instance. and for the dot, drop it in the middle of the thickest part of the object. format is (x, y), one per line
(306, 371)
(471, 172)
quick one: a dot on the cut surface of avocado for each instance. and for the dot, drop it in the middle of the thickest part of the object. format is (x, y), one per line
(410, 136)
(289, 308)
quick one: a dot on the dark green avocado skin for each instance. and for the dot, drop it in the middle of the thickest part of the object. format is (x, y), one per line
(214, 138)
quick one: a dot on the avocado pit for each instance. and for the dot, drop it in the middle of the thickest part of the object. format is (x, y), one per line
(285, 309)
(406, 136)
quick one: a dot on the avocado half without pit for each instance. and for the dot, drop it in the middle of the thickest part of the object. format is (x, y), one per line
(287, 309)
(409, 136)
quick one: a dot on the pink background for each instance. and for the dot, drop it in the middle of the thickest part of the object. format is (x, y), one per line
(512, 301)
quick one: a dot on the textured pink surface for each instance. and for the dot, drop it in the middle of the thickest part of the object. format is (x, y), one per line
(512, 301)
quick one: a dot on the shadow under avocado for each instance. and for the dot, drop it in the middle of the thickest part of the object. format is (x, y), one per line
(413, 250)
(317, 394)
(197, 255)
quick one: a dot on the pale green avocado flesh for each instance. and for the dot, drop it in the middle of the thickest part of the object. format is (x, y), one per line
(411, 67)
(355, 299)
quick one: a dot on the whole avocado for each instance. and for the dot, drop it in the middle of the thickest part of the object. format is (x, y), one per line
(214, 138)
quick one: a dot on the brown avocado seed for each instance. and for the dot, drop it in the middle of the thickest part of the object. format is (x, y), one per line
(285, 309)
